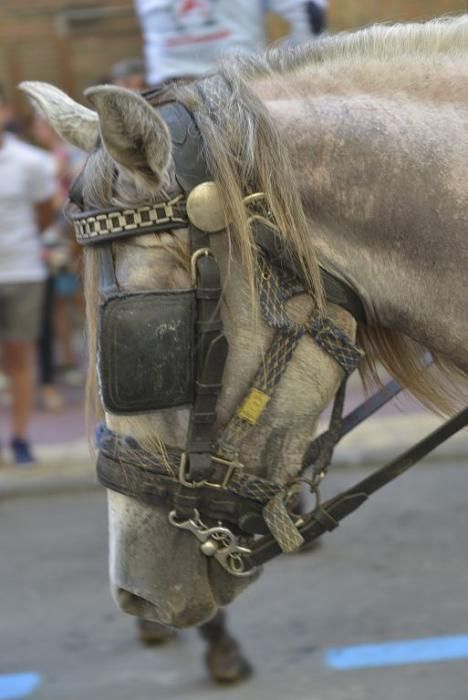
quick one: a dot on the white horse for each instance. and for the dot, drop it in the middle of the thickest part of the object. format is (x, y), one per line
(360, 143)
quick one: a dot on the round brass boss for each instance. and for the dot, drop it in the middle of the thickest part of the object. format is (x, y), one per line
(205, 209)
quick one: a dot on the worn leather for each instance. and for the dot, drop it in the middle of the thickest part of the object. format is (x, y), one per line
(145, 353)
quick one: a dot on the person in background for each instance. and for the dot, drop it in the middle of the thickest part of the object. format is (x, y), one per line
(63, 292)
(27, 188)
(185, 38)
(129, 73)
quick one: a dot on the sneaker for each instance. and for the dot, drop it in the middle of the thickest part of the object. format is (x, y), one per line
(21, 451)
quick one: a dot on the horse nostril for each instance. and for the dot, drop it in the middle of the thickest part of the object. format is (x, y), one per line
(135, 605)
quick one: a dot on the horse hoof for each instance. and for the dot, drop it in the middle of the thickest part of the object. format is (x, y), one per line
(152, 633)
(226, 663)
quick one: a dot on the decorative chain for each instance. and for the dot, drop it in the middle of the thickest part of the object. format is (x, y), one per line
(92, 226)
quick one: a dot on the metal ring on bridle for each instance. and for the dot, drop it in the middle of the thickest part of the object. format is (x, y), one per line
(313, 484)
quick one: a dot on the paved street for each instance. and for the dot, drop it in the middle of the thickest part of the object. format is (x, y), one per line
(396, 570)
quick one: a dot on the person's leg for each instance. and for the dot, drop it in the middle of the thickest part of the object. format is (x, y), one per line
(22, 304)
(49, 396)
(19, 365)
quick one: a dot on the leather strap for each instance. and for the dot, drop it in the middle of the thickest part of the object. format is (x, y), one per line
(212, 349)
(328, 515)
(281, 254)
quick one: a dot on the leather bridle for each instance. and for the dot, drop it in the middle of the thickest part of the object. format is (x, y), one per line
(240, 519)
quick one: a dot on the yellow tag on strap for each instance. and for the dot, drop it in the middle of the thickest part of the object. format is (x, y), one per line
(253, 406)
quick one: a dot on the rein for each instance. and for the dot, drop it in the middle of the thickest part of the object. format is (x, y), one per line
(240, 519)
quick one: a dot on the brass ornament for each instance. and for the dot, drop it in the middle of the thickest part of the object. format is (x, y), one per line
(205, 208)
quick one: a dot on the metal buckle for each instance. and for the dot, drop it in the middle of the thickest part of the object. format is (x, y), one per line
(193, 263)
(230, 467)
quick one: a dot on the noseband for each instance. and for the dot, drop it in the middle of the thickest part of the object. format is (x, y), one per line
(162, 349)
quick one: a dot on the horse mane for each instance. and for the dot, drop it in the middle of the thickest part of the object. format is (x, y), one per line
(247, 154)
(384, 43)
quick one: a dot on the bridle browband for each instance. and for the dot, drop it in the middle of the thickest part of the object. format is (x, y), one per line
(240, 519)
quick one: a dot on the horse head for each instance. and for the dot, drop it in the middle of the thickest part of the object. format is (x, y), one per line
(159, 571)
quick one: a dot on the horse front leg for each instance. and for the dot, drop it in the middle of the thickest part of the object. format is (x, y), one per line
(224, 658)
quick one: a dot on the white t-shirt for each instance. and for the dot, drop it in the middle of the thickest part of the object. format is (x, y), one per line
(27, 177)
(187, 37)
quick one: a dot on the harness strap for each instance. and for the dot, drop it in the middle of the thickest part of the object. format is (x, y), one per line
(328, 515)
(281, 254)
(366, 409)
(281, 522)
(276, 285)
(211, 353)
(235, 495)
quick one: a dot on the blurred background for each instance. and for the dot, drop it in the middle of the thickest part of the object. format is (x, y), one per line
(397, 573)
(75, 44)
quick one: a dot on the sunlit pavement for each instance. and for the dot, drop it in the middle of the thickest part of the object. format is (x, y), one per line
(396, 570)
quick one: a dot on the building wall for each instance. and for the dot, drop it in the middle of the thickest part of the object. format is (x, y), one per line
(345, 14)
(72, 45)
(50, 40)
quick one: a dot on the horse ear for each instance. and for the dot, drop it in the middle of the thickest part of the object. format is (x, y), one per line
(76, 124)
(132, 132)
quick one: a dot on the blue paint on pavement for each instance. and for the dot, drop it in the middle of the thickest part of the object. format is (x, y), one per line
(413, 651)
(19, 685)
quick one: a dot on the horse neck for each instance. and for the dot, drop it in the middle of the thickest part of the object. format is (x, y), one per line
(383, 185)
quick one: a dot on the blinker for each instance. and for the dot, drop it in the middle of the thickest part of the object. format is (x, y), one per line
(146, 350)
